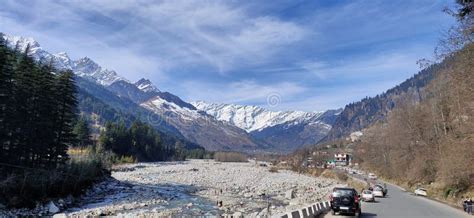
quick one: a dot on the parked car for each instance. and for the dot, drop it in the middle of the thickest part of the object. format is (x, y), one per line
(367, 196)
(345, 200)
(421, 192)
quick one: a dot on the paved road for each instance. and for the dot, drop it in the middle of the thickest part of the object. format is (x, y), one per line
(399, 203)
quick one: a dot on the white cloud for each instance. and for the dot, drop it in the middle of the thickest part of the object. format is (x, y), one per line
(242, 92)
(373, 66)
(252, 52)
(211, 32)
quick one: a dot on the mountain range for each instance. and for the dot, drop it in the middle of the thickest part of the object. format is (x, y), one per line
(212, 126)
(288, 130)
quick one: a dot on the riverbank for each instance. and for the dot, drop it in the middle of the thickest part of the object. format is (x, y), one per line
(201, 187)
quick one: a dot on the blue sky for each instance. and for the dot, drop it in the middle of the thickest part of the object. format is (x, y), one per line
(312, 55)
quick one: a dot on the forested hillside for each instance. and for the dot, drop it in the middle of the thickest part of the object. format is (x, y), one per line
(430, 142)
(37, 118)
(40, 123)
(101, 106)
(359, 115)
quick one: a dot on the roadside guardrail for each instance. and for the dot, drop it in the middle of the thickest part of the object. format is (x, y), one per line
(312, 210)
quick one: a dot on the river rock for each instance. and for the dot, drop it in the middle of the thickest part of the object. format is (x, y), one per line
(290, 194)
(52, 208)
(238, 215)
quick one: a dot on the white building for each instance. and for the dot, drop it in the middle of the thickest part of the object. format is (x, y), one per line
(342, 159)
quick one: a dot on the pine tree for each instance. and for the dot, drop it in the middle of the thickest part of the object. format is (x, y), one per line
(25, 96)
(82, 132)
(46, 114)
(66, 114)
(6, 99)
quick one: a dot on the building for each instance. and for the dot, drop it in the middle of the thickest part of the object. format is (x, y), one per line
(342, 159)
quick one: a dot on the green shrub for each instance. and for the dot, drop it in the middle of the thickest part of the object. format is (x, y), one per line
(23, 187)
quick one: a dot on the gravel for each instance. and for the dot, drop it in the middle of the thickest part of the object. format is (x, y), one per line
(200, 188)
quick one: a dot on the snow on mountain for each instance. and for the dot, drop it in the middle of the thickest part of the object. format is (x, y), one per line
(200, 127)
(83, 67)
(253, 118)
(146, 85)
(87, 68)
(161, 106)
(214, 126)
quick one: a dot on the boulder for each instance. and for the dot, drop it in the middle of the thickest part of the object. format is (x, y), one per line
(52, 208)
(290, 194)
(238, 215)
(59, 215)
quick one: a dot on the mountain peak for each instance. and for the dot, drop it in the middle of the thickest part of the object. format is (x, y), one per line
(146, 85)
(253, 118)
(88, 68)
(21, 41)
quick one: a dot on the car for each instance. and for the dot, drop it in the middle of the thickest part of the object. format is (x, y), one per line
(383, 188)
(372, 176)
(367, 196)
(421, 192)
(345, 200)
(378, 191)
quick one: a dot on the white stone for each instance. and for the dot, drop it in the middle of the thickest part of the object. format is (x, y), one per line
(52, 208)
(290, 194)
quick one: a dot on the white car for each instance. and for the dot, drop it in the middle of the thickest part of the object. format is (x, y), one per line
(367, 195)
(421, 192)
(372, 176)
(378, 192)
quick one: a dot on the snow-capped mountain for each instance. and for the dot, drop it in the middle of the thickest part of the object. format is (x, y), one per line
(286, 130)
(202, 128)
(84, 67)
(213, 126)
(146, 85)
(253, 118)
(164, 108)
(87, 68)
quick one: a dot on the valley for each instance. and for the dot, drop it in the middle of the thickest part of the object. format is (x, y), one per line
(236, 109)
(211, 125)
(194, 187)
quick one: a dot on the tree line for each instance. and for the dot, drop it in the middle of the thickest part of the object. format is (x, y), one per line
(39, 118)
(39, 122)
(140, 141)
(37, 110)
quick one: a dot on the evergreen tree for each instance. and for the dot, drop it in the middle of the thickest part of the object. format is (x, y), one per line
(46, 113)
(66, 106)
(82, 132)
(25, 95)
(6, 99)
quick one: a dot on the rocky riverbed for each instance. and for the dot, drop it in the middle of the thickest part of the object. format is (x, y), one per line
(200, 188)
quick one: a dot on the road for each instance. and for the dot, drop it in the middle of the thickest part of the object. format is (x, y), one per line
(399, 203)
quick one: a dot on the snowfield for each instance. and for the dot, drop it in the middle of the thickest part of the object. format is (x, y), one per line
(197, 187)
(253, 118)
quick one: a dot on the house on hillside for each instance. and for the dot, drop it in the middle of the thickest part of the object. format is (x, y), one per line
(342, 159)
